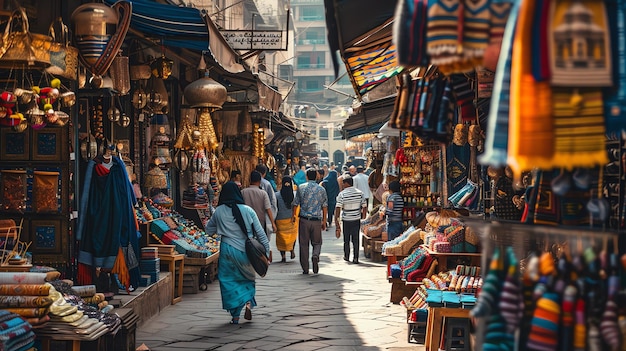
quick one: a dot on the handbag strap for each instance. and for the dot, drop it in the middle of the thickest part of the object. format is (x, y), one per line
(64, 35)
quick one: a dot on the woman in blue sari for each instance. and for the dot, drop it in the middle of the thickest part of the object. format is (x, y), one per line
(234, 221)
(332, 190)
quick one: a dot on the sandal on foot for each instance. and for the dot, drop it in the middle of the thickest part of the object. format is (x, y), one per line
(235, 320)
(293, 255)
(248, 314)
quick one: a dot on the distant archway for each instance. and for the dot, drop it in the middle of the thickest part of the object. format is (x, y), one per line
(324, 153)
(339, 158)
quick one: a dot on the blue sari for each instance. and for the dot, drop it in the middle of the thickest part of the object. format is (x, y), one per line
(236, 277)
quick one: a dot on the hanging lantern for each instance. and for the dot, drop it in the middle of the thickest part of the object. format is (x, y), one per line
(162, 67)
(208, 139)
(99, 33)
(181, 160)
(205, 92)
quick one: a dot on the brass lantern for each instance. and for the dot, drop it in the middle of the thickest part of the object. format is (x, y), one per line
(205, 92)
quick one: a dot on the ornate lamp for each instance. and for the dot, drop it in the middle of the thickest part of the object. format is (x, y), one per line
(207, 95)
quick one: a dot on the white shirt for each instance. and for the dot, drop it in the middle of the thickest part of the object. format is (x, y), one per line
(360, 182)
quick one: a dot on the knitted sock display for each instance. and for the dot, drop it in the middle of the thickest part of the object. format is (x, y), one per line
(496, 337)
(476, 21)
(567, 318)
(487, 298)
(510, 304)
(594, 342)
(580, 328)
(464, 96)
(608, 326)
(498, 15)
(544, 330)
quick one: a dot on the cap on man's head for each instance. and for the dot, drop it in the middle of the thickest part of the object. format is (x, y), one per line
(360, 169)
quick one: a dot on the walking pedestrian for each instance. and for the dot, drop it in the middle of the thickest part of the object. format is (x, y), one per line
(360, 182)
(313, 202)
(393, 210)
(234, 222)
(286, 231)
(352, 207)
(331, 185)
(269, 189)
(257, 198)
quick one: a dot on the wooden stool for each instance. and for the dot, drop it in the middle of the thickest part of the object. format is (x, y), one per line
(434, 325)
(457, 334)
(175, 262)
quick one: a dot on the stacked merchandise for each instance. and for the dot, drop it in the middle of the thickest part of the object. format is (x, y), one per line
(185, 235)
(148, 253)
(15, 332)
(415, 267)
(449, 235)
(90, 297)
(27, 295)
(456, 288)
(195, 197)
(150, 265)
(404, 244)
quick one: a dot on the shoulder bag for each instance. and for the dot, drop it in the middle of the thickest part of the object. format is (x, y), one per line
(257, 255)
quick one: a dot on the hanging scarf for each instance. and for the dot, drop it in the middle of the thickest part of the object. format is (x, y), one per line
(286, 190)
(497, 135)
(409, 32)
(442, 39)
(530, 124)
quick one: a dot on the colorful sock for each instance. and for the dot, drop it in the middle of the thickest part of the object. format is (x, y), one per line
(567, 318)
(580, 328)
(476, 18)
(594, 342)
(510, 304)
(464, 96)
(608, 325)
(496, 337)
(544, 330)
(487, 298)
(546, 264)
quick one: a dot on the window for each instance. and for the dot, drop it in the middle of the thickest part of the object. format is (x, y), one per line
(313, 36)
(285, 72)
(311, 60)
(337, 134)
(311, 13)
(323, 134)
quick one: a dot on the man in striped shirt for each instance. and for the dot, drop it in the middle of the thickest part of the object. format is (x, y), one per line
(352, 201)
(393, 210)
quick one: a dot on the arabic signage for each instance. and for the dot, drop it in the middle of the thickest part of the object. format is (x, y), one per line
(254, 40)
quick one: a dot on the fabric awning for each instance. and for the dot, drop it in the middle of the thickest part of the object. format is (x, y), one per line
(269, 98)
(182, 27)
(364, 42)
(369, 118)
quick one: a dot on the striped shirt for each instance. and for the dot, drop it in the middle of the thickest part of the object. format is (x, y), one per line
(351, 200)
(394, 212)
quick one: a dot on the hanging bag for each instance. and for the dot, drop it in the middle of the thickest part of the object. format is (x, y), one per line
(257, 255)
(21, 47)
(63, 57)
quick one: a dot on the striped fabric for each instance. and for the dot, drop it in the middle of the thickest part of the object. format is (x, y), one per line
(409, 32)
(395, 213)
(579, 131)
(442, 40)
(476, 24)
(351, 201)
(615, 100)
(530, 125)
(497, 134)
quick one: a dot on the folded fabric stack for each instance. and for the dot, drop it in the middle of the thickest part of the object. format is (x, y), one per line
(26, 294)
(455, 288)
(66, 318)
(150, 267)
(397, 240)
(418, 265)
(16, 333)
(90, 297)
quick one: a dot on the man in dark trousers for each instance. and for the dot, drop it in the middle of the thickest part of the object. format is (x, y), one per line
(354, 206)
(313, 202)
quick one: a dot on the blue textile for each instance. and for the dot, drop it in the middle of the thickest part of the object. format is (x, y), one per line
(497, 134)
(311, 198)
(236, 277)
(223, 223)
(299, 177)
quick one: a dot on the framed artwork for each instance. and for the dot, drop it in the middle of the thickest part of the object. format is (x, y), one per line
(47, 235)
(47, 144)
(14, 146)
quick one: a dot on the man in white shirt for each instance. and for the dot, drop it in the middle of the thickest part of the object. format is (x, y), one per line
(354, 207)
(361, 183)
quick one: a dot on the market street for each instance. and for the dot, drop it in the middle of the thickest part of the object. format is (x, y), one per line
(344, 307)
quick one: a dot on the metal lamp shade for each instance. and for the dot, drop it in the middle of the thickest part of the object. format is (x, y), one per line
(205, 92)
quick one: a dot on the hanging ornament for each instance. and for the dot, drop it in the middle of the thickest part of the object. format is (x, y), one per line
(181, 160)
(184, 139)
(208, 139)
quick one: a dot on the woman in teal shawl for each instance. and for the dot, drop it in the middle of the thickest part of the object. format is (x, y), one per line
(234, 222)
(332, 190)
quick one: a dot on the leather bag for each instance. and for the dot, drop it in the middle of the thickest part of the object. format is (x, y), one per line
(63, 57)
(257, 255)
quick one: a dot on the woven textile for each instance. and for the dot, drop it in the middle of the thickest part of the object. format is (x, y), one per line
(32, 312)
(443, 41)
(24, 301)
(25, 289)
(579, 58)
(530, 125)
(579, 133)
(476, 25)
(15, 332)
(409, 32)
(22, 278)
(497, 134)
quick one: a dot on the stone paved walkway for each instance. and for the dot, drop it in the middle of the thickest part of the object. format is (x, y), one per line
(344, 307)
